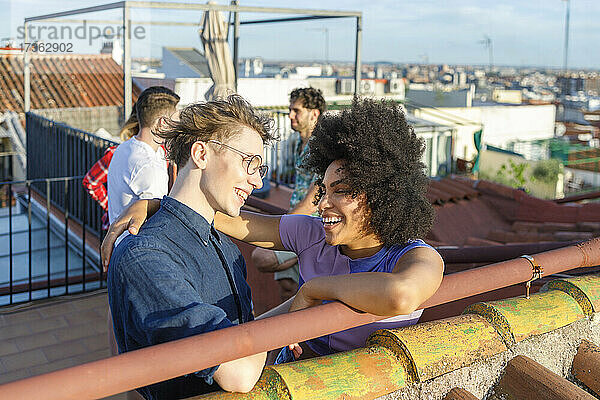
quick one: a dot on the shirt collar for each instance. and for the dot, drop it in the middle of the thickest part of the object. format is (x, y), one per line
(191, 219)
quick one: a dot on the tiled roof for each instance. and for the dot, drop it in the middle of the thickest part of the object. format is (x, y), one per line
(59, 81)
(470, 212)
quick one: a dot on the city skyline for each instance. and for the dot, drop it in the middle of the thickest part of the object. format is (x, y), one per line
(410, 31)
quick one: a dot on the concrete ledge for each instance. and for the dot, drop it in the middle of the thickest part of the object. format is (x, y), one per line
(434, 348)
(584, 289)
(518, 318)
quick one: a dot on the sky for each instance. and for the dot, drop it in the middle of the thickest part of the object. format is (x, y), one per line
(522, 32)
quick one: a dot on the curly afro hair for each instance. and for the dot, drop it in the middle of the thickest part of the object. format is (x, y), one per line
(382, 159)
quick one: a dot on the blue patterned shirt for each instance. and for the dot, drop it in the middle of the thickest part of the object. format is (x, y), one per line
(303, 176)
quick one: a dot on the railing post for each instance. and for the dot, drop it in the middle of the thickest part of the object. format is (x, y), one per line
(26, 75)
(357, 60)
(29, 237)
(66, 181)
(127, 82)
(48, 232)
(84, 218)
(10, 243)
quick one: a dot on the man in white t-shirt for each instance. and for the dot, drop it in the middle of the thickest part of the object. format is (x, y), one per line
(138, 169)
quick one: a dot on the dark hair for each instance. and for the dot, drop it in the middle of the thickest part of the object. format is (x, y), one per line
(382, 159)
(310, 98)
(131, 127)
(217, 119)
(153, 102)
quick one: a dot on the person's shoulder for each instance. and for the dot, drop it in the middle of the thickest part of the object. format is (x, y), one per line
(135, 244)
(136, 250)
(119, 156)
(409, 244)
(143, 160)
(401, 249)
(305, 222)
(122, 148)
(301, 231)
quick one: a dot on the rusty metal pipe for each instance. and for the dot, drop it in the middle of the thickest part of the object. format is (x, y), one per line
(165, 361)
(494, 276)
(494, 254)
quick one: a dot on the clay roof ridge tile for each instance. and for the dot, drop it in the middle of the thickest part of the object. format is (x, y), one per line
(439, 195)
(457, 192)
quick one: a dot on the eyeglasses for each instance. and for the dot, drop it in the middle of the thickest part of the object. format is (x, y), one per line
(253, 162)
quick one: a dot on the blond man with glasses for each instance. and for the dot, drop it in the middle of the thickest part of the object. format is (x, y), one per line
(179, 276)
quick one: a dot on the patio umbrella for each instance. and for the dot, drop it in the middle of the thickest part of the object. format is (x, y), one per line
(213, 34)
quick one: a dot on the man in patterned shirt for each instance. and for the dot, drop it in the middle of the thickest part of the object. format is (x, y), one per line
(306, 106)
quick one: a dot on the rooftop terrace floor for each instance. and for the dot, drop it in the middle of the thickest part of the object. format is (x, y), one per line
(48, 335)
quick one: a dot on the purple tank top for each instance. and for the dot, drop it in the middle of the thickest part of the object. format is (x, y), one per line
(305, 236)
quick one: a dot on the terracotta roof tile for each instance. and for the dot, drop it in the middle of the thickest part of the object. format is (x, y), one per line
(62, 81)
(438, 196)
(455, 222)
(487, 211)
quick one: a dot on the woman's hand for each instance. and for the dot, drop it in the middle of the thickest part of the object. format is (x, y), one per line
(296, 350)
(131, 219)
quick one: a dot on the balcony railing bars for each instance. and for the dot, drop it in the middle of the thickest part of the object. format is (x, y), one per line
(57, 150)
(48, 252)
(280, 156)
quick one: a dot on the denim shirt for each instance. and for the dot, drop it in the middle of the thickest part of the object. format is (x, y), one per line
(171, 281)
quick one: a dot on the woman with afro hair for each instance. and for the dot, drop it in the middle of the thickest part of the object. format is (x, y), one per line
(366, 248)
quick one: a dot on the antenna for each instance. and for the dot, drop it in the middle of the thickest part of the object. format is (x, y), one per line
(566, 55)
(487, 42)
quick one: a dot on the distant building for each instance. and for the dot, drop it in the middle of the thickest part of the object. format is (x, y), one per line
(501, 124)
(570, 85)
(507, 96)
(114, 49)
(439, 98)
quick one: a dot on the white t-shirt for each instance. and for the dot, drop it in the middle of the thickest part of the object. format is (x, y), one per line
(135, 172)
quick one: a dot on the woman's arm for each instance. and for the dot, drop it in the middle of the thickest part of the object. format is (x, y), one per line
(240, 375)
(257, 229)
(415, 278)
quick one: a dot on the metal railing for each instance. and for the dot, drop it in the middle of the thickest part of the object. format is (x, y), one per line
(57, 150)
(280, 156)
(46, 252)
